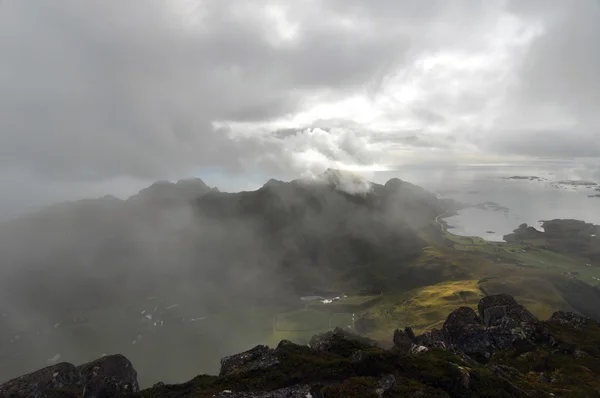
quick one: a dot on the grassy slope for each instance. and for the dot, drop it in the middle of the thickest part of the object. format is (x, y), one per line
(452, 271)
(471, 268)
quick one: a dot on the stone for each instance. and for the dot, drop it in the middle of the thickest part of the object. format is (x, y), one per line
(109, 376)
(508, 322)
(402, 341)
(431, 339)
(464, 331)
(63, 376)
(579, 322)
(259, 357)
(503, 310)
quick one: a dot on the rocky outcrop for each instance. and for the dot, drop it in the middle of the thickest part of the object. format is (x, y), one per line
(110, 376)
(464, 331)
(577, 321)
(431, 339)
(339, 340)
(259, 357)
(38, 384)
(490, 352)
(503, 310)
(502, 350)
(402, 341)
(502, 324)
(508, 322)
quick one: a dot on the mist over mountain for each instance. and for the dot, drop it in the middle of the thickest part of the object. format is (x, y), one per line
(305, 121)
(188, 241)
(71, 254)
(182, 271)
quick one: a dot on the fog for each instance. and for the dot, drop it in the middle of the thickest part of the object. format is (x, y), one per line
(99, 100)
(183, 274)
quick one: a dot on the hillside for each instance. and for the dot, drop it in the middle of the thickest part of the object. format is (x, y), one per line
(500, 350)
(190, 228)
(181, 274)
(104, 261)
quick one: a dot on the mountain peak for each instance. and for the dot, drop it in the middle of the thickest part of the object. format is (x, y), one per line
(192, 182)
(166, 191)
(394, 183)
(273, 183)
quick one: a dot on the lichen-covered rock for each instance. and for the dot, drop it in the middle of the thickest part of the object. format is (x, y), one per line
(259, 357)
(431, 339)
(63, 376)
(464, 331)
(503, 310)
(340, 341)
(509, 322)
(298, 391)
(109, 376)
(502, 324)
(570, 318)
(458, 318)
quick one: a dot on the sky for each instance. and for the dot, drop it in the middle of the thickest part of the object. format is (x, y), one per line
(107, 96)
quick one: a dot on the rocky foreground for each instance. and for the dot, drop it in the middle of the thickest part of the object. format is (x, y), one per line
(501, 350)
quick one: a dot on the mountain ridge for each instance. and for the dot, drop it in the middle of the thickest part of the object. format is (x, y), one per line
(168, 281)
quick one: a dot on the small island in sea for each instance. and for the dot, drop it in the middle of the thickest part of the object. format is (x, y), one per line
(530, 178)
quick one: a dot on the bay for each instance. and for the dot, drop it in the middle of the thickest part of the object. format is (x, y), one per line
(537, 191)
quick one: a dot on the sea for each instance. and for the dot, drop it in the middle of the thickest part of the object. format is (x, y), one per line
(503, 196)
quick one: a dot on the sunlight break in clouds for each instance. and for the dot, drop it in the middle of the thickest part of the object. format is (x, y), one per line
(155, 89)
(443, 94)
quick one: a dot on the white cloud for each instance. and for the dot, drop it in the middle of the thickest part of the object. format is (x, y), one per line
(98, 91)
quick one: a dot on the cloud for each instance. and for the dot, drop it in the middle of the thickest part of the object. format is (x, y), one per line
(551, 110)
(102, 91)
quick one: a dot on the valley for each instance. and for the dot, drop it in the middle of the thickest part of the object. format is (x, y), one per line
(372, 262)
